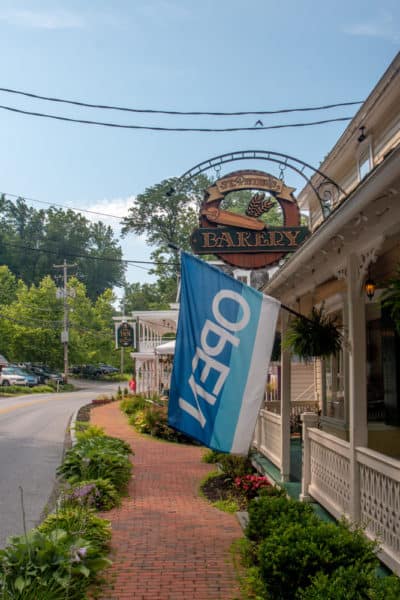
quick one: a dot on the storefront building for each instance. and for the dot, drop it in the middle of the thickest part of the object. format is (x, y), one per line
(351, 454)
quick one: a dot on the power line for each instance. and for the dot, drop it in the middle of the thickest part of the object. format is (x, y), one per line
(91, 257)
(177, 112)
(173, 129)
(92, 212)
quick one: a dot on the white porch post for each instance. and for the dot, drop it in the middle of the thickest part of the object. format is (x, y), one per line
(308, 420)
(285, 403)
(358, 424)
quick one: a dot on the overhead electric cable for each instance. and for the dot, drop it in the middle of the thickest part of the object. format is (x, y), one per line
(172, 129)
(88, 256)
(92, 212)
(177, 112)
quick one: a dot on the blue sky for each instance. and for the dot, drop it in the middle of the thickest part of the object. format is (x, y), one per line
(218, 55)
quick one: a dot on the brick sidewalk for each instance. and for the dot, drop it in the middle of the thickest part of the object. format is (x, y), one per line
(167, 542)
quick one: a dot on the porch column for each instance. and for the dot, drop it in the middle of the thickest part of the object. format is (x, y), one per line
(309, 420)
(285, 403)
(358, 423)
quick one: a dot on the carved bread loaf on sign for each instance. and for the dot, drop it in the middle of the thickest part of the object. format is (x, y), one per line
(224, 217)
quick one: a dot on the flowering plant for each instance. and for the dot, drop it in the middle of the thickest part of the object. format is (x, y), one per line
(250, 485)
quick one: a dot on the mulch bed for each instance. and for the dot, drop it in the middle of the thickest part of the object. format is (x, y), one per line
(221, 488)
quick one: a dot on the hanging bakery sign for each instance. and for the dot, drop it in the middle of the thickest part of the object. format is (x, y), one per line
(246, 240)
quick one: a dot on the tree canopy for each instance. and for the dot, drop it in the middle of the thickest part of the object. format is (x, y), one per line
(31, 320)
(32, 241)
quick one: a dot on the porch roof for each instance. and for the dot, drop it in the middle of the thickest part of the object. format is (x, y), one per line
(369, 217)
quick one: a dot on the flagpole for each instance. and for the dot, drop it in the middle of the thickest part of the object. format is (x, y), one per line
(287, 308)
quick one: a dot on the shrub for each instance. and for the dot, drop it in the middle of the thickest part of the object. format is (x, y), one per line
(101, 457)
(211, 457)
(235, 466)
(84, 430)
(292, 555)
(132, 404)
(269, 513)
(153, 420)
(48, 566)
(97, 493)
(354, 582)
(79, 521)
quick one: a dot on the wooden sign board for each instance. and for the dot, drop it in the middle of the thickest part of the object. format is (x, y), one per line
(245, 240)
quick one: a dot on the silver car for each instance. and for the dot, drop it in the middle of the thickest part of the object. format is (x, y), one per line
(10, 376)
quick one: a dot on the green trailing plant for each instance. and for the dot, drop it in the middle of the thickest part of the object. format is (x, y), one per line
(97, 493)
(314, 336)
(390, 299)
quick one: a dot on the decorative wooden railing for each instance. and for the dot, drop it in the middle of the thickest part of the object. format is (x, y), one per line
(329, 471)
(380, 502)
(267, 436)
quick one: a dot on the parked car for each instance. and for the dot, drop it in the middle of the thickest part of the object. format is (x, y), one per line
(10, 376)
(45, 374)
(30, 377)
(108, 369)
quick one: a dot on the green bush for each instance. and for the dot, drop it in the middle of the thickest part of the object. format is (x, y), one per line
(23, 389)
(84, 430)
(211, 457)
(235, 466)
(97, 493)
(132, 404)
(79, 521)
(269, 513)
(101, 457)
(292, 555)
(355, 582)
(48, 566)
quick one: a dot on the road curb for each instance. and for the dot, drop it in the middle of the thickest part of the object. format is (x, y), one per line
(72, 432)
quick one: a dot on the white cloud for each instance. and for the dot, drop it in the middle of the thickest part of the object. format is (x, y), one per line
(109, 209)
(383, 27)
(134, 247)
(59, 19)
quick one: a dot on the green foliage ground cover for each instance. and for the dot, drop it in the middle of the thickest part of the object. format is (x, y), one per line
(63, 557)
(149, 415)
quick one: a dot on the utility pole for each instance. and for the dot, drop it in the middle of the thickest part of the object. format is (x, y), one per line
(64, 296)
(122, 347)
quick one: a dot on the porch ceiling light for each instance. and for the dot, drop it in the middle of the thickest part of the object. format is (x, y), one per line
(370, 288)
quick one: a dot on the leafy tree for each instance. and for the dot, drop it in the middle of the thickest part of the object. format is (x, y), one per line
(146, 296)
(30, 325)
(8, 285)
(167, 213)
(32, 241)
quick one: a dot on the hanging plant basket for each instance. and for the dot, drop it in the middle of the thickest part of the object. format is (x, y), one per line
(316, 336)
(391, 299)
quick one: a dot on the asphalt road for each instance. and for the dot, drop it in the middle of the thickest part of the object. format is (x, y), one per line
(32, 433)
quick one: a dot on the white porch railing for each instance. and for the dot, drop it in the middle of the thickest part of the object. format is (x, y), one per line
(380, 502)
(297, 407)
(329, 471)
(267, 437)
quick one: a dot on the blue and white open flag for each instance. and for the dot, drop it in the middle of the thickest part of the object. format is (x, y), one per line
(225, 335)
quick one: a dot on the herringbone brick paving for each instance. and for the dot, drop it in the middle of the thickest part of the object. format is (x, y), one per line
(167, 542)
